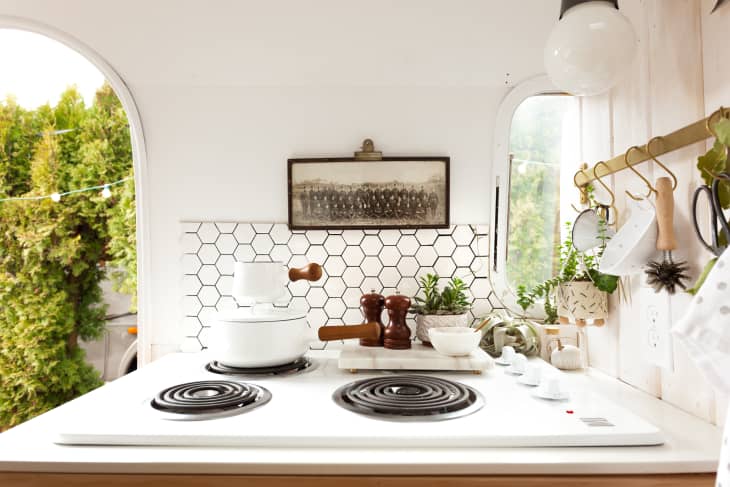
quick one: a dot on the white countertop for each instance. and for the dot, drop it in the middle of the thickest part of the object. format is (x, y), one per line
(691, 446)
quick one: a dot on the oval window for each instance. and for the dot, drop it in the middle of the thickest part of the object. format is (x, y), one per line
(538, 145)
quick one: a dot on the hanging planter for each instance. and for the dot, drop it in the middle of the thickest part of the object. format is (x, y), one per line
(578, 293)
(580, 302)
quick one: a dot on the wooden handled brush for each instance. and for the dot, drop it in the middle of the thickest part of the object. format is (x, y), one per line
(666, 274)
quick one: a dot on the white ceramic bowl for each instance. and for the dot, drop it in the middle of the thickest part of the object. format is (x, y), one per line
(454, 341)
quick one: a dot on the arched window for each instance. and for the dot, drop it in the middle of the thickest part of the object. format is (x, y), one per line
(537, 150)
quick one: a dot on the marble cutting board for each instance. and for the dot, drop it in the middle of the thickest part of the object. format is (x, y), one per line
(419, 357)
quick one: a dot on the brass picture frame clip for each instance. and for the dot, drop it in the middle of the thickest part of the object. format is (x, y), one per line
(368, 152)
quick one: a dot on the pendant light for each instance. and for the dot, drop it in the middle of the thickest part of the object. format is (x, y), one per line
(591, 48)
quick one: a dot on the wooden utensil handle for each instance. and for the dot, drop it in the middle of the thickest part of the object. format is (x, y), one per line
(370, 330)
(310, 272)
(665, 215)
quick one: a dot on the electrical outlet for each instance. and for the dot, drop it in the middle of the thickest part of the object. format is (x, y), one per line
(656, 323)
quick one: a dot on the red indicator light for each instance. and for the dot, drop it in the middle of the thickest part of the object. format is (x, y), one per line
(569, 411)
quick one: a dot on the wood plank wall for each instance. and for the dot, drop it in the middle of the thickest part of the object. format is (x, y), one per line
(716, 71)
(680, 74)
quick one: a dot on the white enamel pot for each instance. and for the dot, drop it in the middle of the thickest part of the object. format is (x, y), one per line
(264, 338)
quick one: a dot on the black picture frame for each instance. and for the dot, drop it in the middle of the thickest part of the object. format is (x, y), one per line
(314, 183)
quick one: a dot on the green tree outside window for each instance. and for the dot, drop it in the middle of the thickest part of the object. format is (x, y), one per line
(53, 256)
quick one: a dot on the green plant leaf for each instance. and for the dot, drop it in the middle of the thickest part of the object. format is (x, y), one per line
(701, 280)
(722, 130)
(713, 162)
(604, 282)
(452, 300)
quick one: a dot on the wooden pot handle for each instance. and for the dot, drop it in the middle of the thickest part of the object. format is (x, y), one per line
(310, 272)
(370, 331)
(665, 215)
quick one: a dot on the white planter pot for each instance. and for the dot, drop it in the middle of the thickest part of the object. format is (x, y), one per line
(579, 301)
(425, 322)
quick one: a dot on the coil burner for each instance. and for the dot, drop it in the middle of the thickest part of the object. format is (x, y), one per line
(409, 398)
(299, 365)
(208, 399)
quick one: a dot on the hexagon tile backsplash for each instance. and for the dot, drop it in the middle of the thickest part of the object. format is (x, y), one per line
(354, 262)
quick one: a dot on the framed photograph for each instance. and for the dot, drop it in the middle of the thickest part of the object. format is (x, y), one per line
(391, 192)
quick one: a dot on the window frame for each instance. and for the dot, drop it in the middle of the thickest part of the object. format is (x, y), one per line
(501, 187)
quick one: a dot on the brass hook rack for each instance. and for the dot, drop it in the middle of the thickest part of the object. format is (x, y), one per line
(688, 135)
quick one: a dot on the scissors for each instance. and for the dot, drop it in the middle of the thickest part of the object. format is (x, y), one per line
(713, 195)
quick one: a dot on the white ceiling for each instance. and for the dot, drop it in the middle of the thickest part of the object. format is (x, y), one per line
(313, 42)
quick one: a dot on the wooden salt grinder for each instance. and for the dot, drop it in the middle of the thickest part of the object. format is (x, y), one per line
(371, 307)
(397, 334)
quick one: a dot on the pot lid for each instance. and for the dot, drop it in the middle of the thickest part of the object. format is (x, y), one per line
(258, 314)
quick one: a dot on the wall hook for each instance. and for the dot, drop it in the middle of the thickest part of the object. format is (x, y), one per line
(653, 158)
(646, 181)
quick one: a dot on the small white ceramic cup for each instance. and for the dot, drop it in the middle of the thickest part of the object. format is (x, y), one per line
(532, 374)
(519, 364)
(508, 354)
(553, 386)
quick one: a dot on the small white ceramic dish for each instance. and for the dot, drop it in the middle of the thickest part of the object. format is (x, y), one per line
(454, 341)
(552, 388)
(518, 366)
(531, 377)
(508, 353)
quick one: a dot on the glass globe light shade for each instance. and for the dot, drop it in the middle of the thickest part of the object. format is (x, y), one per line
(590, 49)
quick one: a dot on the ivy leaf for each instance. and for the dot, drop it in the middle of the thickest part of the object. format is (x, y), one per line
(713, 162)
(604, 282)
(722, 129)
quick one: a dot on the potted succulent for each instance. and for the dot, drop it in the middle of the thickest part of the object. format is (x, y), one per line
(440, 308)
(578, 293)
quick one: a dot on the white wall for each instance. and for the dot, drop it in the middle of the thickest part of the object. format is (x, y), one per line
(664, 91)
(228, 90)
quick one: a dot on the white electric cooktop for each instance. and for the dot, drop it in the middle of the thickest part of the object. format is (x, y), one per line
(302, 413)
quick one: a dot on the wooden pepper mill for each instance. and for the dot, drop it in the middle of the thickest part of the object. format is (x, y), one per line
(371, 307)
(397, 334)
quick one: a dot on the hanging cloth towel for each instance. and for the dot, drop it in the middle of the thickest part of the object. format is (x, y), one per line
(723, 470)
(705, 328)
(705, 332)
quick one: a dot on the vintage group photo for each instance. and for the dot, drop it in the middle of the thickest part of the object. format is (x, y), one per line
(361, 194)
